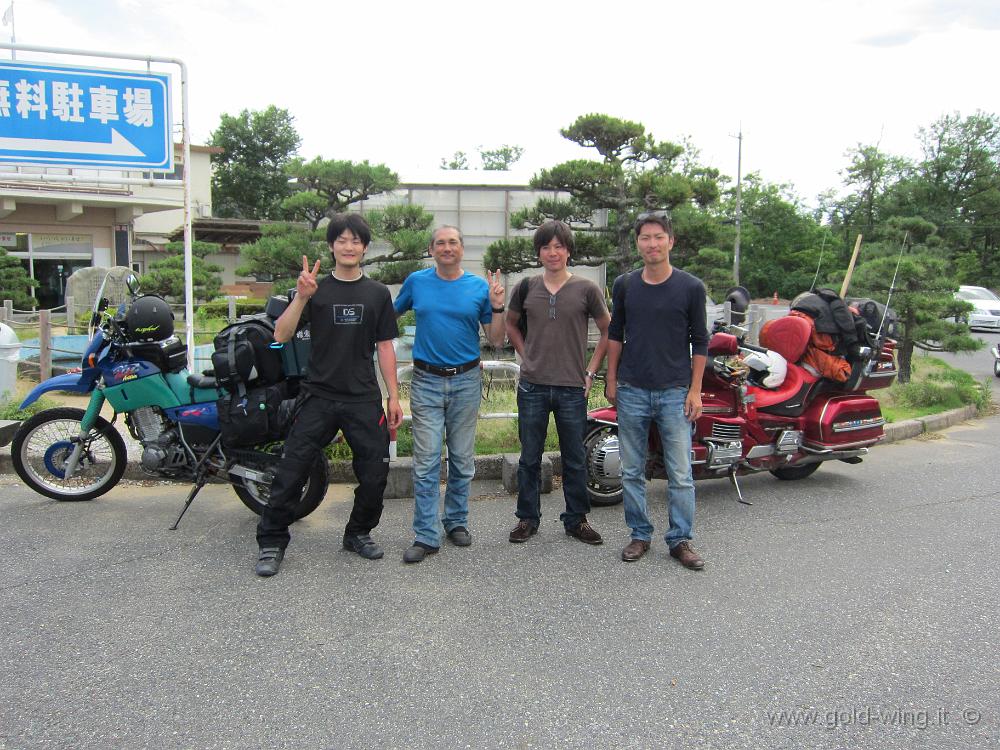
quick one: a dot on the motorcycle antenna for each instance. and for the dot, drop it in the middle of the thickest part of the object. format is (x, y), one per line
(818, 265)
(892, 286)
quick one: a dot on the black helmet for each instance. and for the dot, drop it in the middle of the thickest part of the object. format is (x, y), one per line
(149, 319)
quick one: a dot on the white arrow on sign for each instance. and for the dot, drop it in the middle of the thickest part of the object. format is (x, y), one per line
(119, 146)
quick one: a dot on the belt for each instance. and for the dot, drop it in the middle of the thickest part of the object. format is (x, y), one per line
(445, 372)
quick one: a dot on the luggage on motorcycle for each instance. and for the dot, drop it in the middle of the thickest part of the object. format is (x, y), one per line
(876, 315)
(260, 415)
(243, 355)
(831, 315)
(170, 355)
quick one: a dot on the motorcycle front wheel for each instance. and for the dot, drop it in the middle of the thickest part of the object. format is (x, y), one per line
(603, 462)
(43, 444)
(255, 494)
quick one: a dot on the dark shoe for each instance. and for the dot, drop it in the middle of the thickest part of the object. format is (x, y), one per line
(418, 552)
(523, 531)
(634, 550)
(364, 545)
(585, 533)
(269, 560)
(685, 554)
(460, 536)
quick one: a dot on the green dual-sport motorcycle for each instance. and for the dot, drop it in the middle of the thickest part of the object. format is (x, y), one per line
(134, 363)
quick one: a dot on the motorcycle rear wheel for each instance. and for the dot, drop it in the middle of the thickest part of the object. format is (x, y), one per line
(43, 443)
(255, 494)
(601, 489)
(792, 473)
(996, 367)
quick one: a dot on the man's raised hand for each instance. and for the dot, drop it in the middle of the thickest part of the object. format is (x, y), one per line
(306, 285)
(495, 283)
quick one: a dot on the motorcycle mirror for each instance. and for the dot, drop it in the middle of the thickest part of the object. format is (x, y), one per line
(132, 283)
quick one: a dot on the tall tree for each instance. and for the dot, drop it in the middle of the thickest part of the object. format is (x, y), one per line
(324, 187)
(501, 158)
(923, 293)
(635, 173)
(248, 179)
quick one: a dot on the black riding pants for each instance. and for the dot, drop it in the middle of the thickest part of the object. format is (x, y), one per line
(316, 424)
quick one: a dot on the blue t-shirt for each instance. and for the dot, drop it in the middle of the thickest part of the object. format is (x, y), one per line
(448, 315)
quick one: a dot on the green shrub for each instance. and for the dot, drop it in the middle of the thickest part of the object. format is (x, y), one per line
(220, 308)
(9, 410)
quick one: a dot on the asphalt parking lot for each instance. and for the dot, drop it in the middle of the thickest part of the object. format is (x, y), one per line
(859, 605)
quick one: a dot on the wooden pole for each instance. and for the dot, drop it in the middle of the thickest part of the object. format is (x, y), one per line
(44, 345)
(850, 267)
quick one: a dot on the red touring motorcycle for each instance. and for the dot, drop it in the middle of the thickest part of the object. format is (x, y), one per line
(745, 428)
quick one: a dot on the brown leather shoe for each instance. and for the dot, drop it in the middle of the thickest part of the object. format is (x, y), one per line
(523, 531)
(634, 550)
(684, 553)
(585, 533)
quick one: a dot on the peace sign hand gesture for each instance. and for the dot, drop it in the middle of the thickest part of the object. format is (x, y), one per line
(306, 285)
(496, 288)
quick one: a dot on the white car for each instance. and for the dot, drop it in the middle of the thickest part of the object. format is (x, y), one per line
(987, 306)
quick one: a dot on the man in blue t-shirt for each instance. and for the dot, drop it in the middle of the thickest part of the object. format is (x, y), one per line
(657, 350)
(447, 384)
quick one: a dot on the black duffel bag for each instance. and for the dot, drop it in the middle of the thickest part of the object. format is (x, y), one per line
(260, 415)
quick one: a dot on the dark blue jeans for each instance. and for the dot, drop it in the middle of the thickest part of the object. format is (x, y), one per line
(569, 406)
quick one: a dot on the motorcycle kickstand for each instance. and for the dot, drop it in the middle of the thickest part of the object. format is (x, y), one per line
(200, 481)
(190, 499)
(736, 485)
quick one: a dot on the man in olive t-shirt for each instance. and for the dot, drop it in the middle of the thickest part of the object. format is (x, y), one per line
(554, 378)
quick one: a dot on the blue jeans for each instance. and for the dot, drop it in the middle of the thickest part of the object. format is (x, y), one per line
(637, 409)
(569, 405)
(443, 406)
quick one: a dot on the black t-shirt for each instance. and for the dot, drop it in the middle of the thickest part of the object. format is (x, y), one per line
(660, 327)
(345, 319)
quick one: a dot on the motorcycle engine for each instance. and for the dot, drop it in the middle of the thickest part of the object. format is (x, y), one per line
(162, 452)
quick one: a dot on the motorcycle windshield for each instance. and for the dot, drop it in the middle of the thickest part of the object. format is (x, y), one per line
(115, 292)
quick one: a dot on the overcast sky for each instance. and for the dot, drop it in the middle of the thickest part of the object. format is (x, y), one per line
(408, 83)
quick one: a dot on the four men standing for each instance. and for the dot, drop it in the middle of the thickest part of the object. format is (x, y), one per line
(656, 342)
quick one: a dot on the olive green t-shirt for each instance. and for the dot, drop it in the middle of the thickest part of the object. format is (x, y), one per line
(555, 349)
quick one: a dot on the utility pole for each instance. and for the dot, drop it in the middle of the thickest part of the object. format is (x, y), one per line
(739, 206)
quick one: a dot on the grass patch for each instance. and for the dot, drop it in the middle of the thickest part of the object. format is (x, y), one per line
(9, 410)
(934, 387)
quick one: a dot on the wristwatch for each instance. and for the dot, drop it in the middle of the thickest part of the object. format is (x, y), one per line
(499, 309)
(591, 375)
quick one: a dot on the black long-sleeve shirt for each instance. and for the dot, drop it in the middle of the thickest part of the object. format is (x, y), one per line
(660, 327)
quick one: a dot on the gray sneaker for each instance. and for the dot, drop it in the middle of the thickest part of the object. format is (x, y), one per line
(364, 545)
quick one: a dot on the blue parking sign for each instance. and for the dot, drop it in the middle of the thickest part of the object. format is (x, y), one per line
(67, 115)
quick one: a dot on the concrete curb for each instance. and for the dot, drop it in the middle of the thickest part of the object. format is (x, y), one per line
(400, 483)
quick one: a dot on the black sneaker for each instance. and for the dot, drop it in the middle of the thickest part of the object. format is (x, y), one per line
(418, 552)
(460, 536)
(364, 545)
(268, 561)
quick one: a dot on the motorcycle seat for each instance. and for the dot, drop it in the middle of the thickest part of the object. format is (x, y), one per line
(202, 381)
(788, 399)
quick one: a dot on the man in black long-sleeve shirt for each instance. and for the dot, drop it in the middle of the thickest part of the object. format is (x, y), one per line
(657, 349)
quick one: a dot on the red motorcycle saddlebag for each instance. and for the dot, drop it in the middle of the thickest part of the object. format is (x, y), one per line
(843, 421)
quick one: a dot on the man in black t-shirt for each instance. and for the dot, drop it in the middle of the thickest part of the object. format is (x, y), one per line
(350, 317)
(657, 350)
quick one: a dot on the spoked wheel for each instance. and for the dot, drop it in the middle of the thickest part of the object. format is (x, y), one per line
(791, 473)
(255, 494)
(43, 444)
(604, 465)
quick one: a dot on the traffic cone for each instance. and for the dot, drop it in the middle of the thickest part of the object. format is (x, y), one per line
(775, 300)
